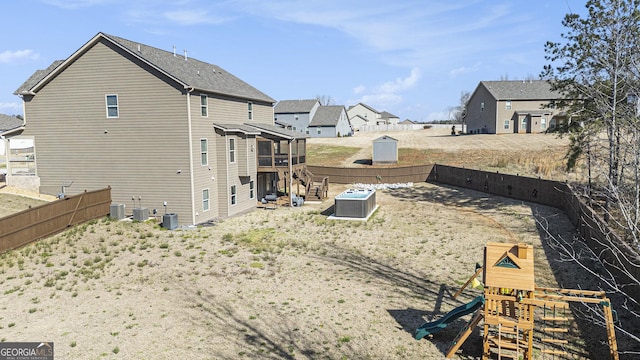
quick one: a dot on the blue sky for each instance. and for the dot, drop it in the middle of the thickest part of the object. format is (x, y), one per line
(412, 58)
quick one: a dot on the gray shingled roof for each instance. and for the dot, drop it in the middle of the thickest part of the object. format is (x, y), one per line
(327, 115)
(8, 122)
(243, 128)
(294, 106)
(387, 115)
(276, 130)
(521, 90)
(365, 105)
(190, 72)
(36, 77)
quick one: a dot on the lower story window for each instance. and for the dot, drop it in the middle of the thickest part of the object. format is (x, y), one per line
(543, 123)
(506, 124)
(205, 200)
(251, 187)
(233, 195)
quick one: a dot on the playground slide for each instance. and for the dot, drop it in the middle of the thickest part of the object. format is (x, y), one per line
(462, 310)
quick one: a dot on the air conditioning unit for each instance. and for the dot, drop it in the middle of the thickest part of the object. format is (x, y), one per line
(170, 221)
(140, 214)
(116, 211)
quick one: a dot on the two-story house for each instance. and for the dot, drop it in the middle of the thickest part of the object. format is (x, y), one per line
(155, 126)
(364, 115)
(501, 107)
(313, 119)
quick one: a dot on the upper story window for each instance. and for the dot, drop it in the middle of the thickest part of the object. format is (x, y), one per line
(250, 110)
(482, 106)
(204, 105)
(204, 152)
(112, 106)
(508, 105)
(232, 150)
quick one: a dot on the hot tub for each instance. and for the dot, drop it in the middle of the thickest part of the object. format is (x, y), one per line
(355, 203)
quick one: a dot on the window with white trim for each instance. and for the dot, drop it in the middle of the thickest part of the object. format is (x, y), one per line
(508, 105)
(319, 131)
(112, 105)
(251, 189)
(233, 195)
(482, 106)
(205, 200)
(523, 123)
(506, 124)
(204, 105)
(250, 110)
(232, 150)
(204, 152)
(543, 123)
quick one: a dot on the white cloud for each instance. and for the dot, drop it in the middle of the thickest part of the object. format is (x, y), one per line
(14, 107)
(192, 17)
(359, 89)
(400, 84)
(75, 4)
(18, 55)
(437, 115)
(464, 70)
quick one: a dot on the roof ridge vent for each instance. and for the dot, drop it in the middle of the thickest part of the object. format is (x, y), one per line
(174, 50)
(185, 55)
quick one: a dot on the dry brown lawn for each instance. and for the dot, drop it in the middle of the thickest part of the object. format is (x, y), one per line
(286, 283)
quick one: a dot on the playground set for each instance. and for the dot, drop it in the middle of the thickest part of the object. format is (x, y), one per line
(508, 307)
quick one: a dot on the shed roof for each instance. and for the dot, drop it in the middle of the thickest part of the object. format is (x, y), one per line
(327, 115)
(189, 72)
(521, 90)
(385, 138)
(294, 106)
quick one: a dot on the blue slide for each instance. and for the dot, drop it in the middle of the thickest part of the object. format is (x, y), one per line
(462, 310)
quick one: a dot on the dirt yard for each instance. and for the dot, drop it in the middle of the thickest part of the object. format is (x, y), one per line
(274, 284)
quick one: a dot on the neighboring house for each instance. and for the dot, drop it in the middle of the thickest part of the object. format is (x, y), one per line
(330, 121)
(295, 115)
(389, 118)
(9, 126)
(362, 114)
(407, 122)
(358, 122)
(501, 107)
(310, 118)
(158, 127)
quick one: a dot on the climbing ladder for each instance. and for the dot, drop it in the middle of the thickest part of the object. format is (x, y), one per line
(465, 332)
(553, 333)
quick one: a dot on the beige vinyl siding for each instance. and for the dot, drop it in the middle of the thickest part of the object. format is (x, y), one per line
(138, 154)
(234, 111)
(204, 176)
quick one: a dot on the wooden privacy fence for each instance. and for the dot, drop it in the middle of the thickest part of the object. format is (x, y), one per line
(373, 175)
(35, 223)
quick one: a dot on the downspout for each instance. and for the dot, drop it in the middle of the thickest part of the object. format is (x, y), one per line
(193, 199)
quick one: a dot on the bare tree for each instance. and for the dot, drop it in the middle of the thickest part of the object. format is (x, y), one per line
(325, 100)
(597, 70)
(456, 113)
